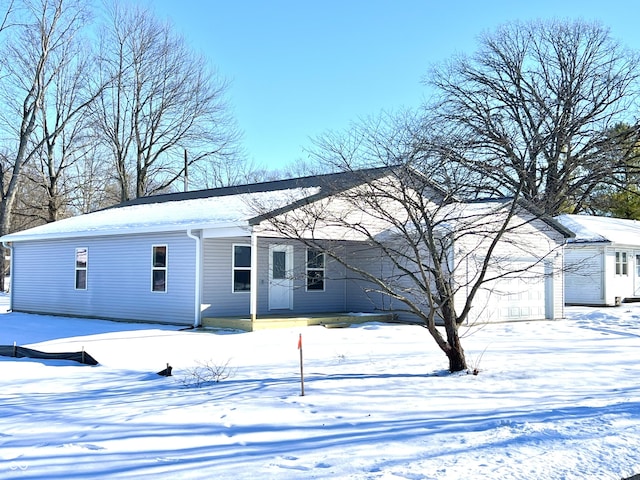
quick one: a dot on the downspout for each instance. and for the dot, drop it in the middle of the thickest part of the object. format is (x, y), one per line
(198, 279)
(253, 306)
(604, 276)
(562, 277)
(10, 248)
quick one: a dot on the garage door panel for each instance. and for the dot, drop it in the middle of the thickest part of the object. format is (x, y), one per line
(514, 299)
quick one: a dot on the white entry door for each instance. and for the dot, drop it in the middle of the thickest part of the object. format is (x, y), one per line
(280, 277)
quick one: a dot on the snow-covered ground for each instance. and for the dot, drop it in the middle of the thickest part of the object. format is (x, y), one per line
(553, 400)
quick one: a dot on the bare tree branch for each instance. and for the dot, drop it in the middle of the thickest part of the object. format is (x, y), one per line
(534, 108)
(163, 100)
(408, 238)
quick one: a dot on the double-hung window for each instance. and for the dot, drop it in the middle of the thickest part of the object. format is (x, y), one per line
(315, 270)
(82, 257)
(622, 264)
(159, 268)
(241, 268)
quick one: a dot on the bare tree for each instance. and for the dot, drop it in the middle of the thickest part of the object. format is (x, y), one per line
(42, 31)
(40, 53)
(442, 258)
(535, 107)
(7, 9)
(163, 100)
(225, 171)
(95, 187)
(65, 135)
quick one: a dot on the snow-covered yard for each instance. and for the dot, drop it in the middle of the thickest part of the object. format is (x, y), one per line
(553, 400)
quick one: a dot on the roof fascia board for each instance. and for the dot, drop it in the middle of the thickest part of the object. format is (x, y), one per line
(140, 229)
(575, 242)
(226, 231)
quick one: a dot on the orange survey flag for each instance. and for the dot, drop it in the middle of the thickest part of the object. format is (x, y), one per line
(300, 342)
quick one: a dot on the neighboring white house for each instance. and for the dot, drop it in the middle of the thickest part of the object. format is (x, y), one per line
(178, 258)
(602, 261)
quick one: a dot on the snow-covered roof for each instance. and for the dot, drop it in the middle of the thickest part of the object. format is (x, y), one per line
(593, 229)
(210, 212)
(233, 206)
(476, 211)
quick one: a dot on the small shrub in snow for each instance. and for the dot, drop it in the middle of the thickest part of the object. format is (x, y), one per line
(475, 370)
(207, 372)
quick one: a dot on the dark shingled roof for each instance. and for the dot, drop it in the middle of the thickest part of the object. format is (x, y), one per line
(328, 183)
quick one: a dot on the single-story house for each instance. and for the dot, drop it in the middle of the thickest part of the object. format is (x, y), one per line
(602, 261)
(184, 258)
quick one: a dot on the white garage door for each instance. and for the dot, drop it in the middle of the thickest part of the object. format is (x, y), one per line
(512, 299)
(525, 300)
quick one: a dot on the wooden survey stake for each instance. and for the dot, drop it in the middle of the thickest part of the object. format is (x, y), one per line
(301, 369)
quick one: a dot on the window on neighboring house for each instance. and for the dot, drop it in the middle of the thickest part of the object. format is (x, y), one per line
(315, 270)
(159, 268)
(82, 255)
(241, 268)
(622, 265)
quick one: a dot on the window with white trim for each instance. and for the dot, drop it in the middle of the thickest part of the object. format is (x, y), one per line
(241, 268)
(315, 270)
(159, 268)
(82, 257)
(622, 264)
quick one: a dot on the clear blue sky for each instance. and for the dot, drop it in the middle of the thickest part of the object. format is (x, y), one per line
(301, 67)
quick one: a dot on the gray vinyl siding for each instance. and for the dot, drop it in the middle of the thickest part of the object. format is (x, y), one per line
(118, 278)
(331, 299)
(219, 299)
(360, 298)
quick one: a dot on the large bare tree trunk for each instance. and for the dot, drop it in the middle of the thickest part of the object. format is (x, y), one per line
(455, 352)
